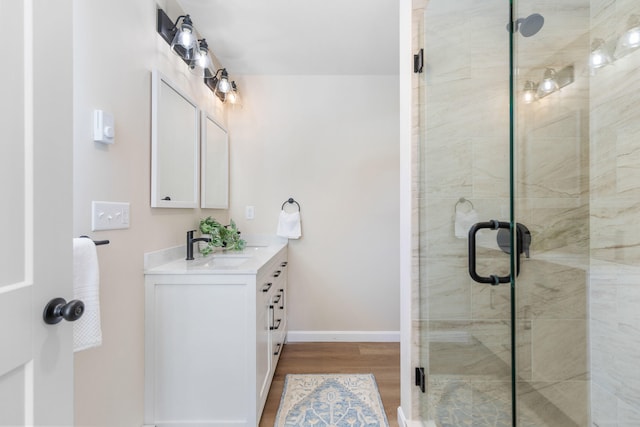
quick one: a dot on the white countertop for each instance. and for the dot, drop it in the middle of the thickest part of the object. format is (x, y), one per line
(247, 261)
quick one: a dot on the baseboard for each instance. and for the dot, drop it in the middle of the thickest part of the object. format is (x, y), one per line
(343, 336)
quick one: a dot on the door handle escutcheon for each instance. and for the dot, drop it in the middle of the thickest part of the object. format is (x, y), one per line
(492, 225)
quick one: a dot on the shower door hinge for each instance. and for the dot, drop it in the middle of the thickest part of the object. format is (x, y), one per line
(420, 379)
(418, 61)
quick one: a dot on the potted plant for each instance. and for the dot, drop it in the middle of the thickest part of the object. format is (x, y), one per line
(221, 236)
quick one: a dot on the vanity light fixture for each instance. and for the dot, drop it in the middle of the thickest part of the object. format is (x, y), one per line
(219, 85)
(233, 97)
(182, 39)
(201, 60)
(600, 54)
(184, 42)
(549, 82)
(552, 81)
(529, 92)
(630, 39)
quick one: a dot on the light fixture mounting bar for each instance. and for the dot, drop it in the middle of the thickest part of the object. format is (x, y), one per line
(165, 26)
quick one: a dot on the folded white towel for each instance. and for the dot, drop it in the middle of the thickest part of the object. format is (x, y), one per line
(289, 225)
(463, 222)
(87, 332)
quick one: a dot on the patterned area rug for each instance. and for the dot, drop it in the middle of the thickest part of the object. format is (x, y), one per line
(323, 400)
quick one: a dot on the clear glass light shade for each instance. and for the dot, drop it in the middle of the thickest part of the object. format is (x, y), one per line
(549, 82)
(600, 55)
(184, 43)
(529, 92)
(223, 85)
(630, 40)
(201, 60)
(233, 97)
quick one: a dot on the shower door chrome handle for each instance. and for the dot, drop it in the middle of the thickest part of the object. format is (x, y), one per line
(492, 225)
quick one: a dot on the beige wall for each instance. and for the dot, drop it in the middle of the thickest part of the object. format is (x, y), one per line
(330, 142)
(115, 49)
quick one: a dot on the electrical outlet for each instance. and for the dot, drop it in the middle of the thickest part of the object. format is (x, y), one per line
(249, 212)
(109, 215)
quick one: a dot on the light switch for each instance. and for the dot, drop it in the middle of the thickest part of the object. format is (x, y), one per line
(103, 127)
(109, 215)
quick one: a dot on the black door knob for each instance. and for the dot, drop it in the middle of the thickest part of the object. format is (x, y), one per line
(58, 309)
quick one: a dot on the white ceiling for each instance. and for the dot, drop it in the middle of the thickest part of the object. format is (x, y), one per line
(300, 36)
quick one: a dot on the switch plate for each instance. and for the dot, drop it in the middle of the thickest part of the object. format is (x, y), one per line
(249, 212)
(109, 215)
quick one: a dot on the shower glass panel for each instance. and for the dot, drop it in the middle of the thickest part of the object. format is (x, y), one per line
(551, 196)
(464, 178)
(495, 141)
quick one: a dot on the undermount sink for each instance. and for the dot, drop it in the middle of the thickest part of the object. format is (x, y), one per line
(219, 261)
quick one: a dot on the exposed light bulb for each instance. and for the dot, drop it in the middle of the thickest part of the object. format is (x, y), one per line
(186, 37)
(549, 83)
(528, 97)
(223, 85)
(597, 59)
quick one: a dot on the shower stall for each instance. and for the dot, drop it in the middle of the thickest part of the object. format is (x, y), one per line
(526, 154)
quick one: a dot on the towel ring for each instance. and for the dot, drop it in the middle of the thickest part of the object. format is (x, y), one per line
(460, 201)
(290, 201)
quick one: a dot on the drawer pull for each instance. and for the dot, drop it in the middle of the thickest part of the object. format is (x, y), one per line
(277, 299)
(266, 287)
(284, 264)
(281, 300)
(276, 325)
(272, 316)
(278, 348)
(277, 273)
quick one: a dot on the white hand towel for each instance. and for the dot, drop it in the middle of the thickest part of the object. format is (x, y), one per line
(87, 332)
(289, 225)
(463, 222)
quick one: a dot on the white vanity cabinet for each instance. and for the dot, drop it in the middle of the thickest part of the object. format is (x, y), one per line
(214, 331)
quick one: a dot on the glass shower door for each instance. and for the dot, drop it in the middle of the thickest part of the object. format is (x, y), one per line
(503, 144)
(463, 145)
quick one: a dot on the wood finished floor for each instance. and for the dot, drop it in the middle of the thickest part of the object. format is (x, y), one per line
(380, 359)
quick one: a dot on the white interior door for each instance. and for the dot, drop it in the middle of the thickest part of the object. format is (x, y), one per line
(36, 360)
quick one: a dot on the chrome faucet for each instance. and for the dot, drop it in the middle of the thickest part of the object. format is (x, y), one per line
(191, 240)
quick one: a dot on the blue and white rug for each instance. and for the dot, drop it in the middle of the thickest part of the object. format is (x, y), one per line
(330, 400)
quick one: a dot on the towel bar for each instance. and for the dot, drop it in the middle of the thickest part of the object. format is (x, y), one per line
(97, 242)
(290, 201)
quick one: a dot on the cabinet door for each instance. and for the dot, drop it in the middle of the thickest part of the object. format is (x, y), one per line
(196, 378)
(263, 338)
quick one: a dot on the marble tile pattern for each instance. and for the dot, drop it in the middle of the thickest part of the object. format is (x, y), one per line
(614, 233)
(461, 148)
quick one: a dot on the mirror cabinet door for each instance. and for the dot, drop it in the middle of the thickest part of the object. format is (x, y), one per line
(174, 146)
(215, 164)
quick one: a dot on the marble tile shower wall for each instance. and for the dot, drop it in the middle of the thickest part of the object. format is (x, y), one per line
(615, 234)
